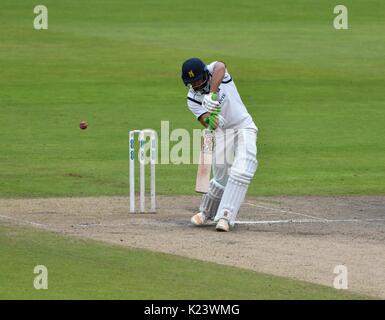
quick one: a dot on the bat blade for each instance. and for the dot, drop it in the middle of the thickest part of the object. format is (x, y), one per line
(205, 161)
(204, 173)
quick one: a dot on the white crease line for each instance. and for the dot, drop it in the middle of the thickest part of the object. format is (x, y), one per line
(305, 221)
(24, 221)
(236, 222)
(284, 211)
(278, 221)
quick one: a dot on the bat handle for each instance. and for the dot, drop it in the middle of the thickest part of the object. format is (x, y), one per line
(214, 96)
(210, 120)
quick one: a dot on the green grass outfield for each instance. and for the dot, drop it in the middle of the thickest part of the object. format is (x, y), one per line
(316, 94)
(79, 269)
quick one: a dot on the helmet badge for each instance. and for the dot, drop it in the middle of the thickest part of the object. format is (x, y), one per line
(191, 74)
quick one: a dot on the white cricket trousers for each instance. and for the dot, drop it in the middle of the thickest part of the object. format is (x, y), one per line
(234, 165)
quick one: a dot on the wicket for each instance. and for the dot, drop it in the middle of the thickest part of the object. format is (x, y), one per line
(142, 134)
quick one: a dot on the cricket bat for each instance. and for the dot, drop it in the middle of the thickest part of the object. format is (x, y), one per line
(205, 161)
(205, 158)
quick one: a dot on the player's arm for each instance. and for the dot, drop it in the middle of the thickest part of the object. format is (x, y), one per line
(218, 75)
(204, 120)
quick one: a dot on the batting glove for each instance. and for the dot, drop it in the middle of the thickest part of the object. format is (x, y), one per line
(212, 121)
(209, 104)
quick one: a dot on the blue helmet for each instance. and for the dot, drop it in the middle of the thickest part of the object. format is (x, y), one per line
(192, 70)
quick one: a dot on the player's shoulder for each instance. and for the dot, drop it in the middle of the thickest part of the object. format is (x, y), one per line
(210, 67)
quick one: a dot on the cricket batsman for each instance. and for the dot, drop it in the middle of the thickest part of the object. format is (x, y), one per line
(225, 113)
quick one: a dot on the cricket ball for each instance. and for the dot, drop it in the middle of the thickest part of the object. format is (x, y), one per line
(83, 125)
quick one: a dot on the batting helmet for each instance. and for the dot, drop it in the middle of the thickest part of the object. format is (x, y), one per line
(192, 70)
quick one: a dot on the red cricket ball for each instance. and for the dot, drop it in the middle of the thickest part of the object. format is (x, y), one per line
(83, 125)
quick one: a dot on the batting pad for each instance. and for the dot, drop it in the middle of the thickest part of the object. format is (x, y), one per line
(211, 200)
(236, 190)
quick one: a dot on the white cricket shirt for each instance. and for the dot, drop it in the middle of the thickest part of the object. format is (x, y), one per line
(233, 111)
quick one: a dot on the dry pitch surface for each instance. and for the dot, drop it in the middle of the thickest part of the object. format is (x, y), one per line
(299, 237)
